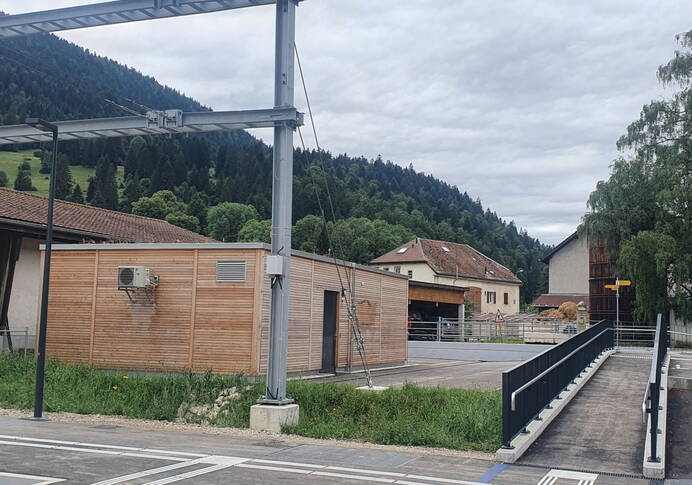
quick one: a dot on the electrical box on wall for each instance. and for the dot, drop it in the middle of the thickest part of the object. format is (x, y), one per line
(275, 265)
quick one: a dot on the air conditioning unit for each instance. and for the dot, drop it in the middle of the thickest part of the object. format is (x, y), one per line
(133, 277)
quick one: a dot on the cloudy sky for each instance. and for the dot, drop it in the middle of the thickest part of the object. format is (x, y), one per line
(518, 102)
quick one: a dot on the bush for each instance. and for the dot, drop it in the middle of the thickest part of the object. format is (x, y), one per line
(3, 179)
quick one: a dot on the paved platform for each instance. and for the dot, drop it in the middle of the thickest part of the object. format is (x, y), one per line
(434, 373)
(474, 351)
(33, 453)
(679, 439)
(602, 428)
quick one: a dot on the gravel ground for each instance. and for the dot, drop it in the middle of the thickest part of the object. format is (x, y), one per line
(150, 425)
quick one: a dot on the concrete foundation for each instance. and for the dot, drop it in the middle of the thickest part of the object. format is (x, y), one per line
(373, 388)
(270, 417)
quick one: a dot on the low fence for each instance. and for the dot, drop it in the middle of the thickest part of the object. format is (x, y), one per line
(20, 341)
(652, 396)
(549, 331)
(529, 387)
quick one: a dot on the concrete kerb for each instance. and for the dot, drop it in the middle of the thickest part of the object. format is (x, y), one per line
(523, 441)
(658, 469)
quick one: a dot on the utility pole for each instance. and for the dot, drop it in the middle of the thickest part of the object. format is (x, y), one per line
(282, 206)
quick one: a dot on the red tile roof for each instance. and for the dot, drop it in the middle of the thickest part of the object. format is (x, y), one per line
(104, 224)
(449, 259)
(548, 300)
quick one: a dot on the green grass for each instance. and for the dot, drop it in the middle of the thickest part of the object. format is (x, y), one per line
(504, 340)
(9, 161)
(449, 418)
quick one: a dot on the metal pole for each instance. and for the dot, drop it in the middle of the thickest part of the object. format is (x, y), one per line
(617, 315)
(41, 353)
(282, 195)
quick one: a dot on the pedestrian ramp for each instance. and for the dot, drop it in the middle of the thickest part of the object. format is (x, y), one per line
(601, 429)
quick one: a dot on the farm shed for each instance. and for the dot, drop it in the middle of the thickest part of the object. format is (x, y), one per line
(210, 309)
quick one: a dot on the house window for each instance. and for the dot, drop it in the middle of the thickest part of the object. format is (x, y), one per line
(230, 271)
(402, 250)
(490, 297)
(397, 269)
(386, 269)
(506, 298)
(410, 273)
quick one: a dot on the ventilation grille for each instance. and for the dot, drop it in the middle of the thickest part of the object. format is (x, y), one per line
(230, 271)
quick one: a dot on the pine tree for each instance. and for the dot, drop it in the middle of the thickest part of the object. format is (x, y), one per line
(131, 193)
(105, 191)
(63, 178)
(3, 179)
(46, 162)
(198, 208)
(76, 195)
(135, 153)
(23, 179)
(91, 189)
(163, 178)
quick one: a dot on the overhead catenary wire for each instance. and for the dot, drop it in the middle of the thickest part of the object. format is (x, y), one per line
(350, 302)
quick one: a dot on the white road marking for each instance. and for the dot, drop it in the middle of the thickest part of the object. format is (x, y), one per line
(289, 463)
(406, 482)
(145, 473)
(43, 480)
(90, 450)
(276, 469)
(354, 477)
(222, 462)
(95, 445)
(185, 476)
(374, 472)
(582, 478)
(443, 480)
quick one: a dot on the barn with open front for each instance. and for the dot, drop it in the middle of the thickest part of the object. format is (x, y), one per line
(206, 306)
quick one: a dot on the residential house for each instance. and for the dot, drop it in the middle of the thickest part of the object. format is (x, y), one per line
(449, 267)
(568, 273)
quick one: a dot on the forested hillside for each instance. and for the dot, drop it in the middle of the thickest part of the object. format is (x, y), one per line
(221, 184)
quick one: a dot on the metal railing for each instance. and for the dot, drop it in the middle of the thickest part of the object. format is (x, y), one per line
(651, 405)
(529, 387)
(549, 331)
(19, 341)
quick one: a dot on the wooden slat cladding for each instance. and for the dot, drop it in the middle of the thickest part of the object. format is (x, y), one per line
(134, 336)
(435, 295)
(70, 302)
(200, 323)
(224, 314)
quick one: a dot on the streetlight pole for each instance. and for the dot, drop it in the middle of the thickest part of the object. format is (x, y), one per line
(41, 355)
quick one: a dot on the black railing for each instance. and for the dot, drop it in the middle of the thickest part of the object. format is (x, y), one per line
(653, 395)
(529, 388)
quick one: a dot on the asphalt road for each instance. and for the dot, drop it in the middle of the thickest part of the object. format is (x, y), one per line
(33, 453)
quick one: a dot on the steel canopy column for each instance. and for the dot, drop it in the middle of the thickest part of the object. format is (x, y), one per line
(282, 206)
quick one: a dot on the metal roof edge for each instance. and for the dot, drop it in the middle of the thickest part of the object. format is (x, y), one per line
(212, 246)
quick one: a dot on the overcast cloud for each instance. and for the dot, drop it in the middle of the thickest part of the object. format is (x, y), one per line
(518, 103)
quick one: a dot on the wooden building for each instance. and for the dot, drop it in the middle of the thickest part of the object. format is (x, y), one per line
(22, 230)
(210, 309)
